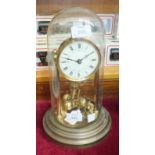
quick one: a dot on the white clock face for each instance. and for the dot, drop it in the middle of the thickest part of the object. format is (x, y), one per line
(78, 60)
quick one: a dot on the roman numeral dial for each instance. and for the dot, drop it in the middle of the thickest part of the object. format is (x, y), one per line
(78, 59)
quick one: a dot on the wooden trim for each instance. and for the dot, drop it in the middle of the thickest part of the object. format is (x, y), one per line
(46, 7)
(110, 84)
(111, 88)
(110, 72)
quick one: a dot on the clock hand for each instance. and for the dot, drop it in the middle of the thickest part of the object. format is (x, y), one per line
(70, 59)
(79, 61)
(86, 56)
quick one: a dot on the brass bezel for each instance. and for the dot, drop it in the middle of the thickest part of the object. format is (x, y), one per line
(65, 44)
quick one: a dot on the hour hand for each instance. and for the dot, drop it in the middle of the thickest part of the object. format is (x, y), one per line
(70, 59)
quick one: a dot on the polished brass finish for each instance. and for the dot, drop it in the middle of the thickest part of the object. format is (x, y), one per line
(83, 102)
(74, 102)
(90, 107)
(66, 97)
(67, 105)
(86, 135)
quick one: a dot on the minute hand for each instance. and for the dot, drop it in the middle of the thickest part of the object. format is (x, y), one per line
(87, 55)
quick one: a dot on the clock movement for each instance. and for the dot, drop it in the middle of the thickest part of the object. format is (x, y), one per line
(76, 64)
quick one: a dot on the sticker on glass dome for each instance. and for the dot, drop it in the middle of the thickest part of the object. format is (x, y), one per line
(91, 117)
(80, 30)
(73, 117)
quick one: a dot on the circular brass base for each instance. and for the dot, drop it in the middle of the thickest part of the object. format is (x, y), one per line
(90, 134)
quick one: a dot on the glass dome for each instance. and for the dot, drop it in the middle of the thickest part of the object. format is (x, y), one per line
(85, 26)
(76, 62)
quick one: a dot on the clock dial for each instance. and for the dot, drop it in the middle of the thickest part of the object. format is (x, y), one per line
(78, 60)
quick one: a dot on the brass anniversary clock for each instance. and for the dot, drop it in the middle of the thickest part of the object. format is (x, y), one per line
(76, 63)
